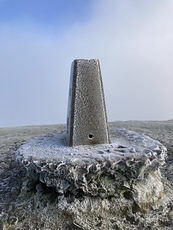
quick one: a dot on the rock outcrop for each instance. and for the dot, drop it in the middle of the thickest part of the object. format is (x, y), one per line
(116, 188)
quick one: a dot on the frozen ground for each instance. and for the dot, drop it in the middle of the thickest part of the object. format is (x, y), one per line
(11, 174)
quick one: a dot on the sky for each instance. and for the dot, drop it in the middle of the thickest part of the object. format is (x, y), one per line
(39, 39)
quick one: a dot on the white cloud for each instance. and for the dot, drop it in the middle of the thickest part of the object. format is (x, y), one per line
(132, 39)
(134, 44)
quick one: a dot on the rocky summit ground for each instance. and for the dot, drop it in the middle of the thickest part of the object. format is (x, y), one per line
(16, 211)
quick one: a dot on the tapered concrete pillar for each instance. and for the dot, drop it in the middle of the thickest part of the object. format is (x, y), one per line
(86, 117)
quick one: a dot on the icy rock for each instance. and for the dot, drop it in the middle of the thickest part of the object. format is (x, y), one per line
(129, 157)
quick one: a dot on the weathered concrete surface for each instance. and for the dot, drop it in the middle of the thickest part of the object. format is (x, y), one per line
(30, 204)
(71, 170)
(86, 117)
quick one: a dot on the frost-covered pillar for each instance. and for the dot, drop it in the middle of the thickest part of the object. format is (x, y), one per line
(86, 117)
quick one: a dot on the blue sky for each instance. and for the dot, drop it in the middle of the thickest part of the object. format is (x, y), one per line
(44, 13)
(39, 39)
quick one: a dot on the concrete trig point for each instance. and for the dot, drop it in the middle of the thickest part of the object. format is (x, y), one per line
(86, 117)
(83, 162)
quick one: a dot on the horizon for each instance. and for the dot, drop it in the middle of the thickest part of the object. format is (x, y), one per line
(64, 124)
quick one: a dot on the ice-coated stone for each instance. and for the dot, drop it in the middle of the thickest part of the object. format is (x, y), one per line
(70, 169)
(86, 177)
(86, 117)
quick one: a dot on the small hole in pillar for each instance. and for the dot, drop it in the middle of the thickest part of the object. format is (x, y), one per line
(90, 136)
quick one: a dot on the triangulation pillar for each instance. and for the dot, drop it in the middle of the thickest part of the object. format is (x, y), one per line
(86, 118)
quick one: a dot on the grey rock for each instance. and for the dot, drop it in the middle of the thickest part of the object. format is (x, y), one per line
(86, 118)
(77, 167)
(141, 203)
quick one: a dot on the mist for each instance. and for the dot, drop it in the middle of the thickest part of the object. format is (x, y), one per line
(133, 41)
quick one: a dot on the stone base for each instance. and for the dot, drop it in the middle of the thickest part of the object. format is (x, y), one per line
(99, 170)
